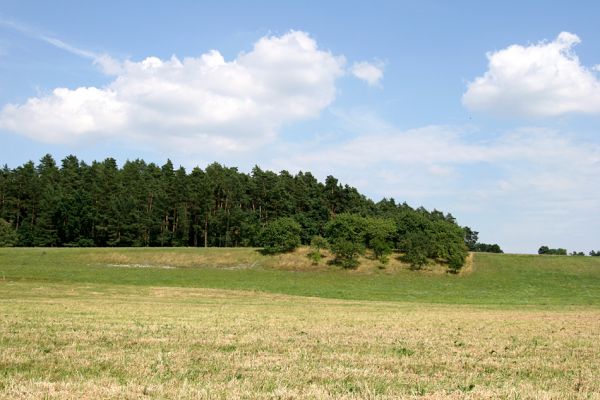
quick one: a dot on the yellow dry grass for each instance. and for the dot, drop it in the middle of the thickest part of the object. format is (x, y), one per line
(123, 342)
(181, 258)
(242, 258)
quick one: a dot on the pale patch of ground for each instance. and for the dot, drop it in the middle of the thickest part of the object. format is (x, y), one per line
(139, 266)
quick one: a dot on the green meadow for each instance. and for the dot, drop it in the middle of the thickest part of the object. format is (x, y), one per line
(493, 279)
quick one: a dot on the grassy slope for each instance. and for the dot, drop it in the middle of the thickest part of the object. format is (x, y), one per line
(494, 279)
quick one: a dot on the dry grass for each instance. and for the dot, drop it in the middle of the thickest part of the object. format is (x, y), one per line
(234, 258)
(239, 258)
(124, 342)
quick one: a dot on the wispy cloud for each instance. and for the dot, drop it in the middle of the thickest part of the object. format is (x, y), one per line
(67, 47)
(107, 64)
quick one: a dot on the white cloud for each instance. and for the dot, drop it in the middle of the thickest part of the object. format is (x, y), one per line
(199, 103)
(539, 80)
(368, 72)
(521, 188)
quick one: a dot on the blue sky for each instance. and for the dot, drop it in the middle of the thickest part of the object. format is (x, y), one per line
(488, 111)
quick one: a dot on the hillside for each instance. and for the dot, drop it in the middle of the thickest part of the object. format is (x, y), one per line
(492, 279)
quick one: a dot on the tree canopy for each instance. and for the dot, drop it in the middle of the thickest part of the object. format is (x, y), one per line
(545, 250)
(73, 203)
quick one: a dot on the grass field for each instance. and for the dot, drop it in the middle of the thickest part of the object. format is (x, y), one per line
(230, 323)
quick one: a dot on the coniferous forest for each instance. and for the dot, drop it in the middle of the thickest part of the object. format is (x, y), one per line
(143, 204)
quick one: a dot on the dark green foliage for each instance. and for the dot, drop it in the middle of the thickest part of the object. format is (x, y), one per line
(487, 248)
(381, 249)
(346, 252)
(545, 250)
(456, 259)
(350, 227)
(379, 236)
(416, 247)
(317, 243)
(141, 204)
(595, 253)
(346, 234)
(471, 237)
(366, 232)
(281, 235)
(578, 253)
(8, 236)
(431, 236)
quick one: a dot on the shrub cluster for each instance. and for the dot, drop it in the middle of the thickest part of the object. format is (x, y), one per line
(545, 250)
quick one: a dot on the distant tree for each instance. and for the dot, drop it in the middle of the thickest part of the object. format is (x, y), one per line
(346, 252)
(471, 237)
(346, 234)
(351, 227)
(8, 236)
(578, 253)
(595, 253)
(545, 250)
(281, 235)
(416, 246)
(381, 249)
(379, 236)
(317, 243)
(456, 259)
(487, 248)
(50, 205)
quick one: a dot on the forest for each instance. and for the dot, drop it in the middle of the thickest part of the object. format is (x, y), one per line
(76, 204)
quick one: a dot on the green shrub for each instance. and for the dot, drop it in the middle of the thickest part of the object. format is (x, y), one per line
(416, 246)
(346, 252)
(281, 235)
(317, 243)
(381, 249)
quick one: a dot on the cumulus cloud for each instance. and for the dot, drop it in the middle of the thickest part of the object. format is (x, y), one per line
(368, 72)
(540, 80)
(204, 102)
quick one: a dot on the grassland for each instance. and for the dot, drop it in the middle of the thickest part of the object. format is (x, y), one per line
(492, 279)
(227, 324)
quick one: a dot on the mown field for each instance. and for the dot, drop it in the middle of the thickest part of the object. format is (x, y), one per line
(231, 323)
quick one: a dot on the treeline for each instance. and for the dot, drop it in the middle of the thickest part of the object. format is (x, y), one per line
(545, 250)
(143, 204)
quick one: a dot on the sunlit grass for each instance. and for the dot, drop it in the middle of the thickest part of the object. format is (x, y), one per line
(229, 324)
(123, 342)
(493, 279)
